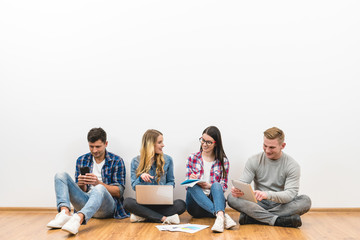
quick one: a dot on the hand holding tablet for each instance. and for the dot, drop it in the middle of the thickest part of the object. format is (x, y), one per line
(246, 189)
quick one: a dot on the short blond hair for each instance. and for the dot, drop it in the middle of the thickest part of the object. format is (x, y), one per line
(275, 133)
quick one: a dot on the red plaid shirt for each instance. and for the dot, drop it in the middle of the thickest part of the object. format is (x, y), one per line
(195, 165)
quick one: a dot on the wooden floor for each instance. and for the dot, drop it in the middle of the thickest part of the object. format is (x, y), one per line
(316, 225)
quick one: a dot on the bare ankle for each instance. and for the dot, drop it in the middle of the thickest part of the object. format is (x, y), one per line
(67, 211)
(220, 213)
(81, 217)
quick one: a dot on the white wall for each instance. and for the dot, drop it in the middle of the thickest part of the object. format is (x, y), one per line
(68, 66)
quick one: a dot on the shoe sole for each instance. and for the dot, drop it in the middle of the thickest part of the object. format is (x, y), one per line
(54, 226)
(137, 221)
(66, 230)
(230, 227)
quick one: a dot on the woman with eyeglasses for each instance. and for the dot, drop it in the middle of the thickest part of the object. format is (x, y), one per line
(153, 167)
(211, 166)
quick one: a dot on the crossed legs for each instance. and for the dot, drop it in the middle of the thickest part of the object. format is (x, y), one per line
(267, 211)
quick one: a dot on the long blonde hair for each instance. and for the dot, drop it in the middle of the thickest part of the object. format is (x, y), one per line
(147, 153)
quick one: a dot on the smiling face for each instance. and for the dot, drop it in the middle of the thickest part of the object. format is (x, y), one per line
(273, 148)
(207, 144)
(97, 149)
(159, 144)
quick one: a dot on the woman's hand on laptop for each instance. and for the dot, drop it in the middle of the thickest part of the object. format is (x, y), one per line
(146, 177)
(235, 192)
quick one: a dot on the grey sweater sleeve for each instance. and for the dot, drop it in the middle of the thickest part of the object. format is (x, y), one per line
(291, 187)
(249, 172)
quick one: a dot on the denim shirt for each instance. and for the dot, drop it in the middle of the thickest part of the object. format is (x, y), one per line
(166, 179)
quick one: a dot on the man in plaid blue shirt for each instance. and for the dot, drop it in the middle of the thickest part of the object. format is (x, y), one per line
(97, 190)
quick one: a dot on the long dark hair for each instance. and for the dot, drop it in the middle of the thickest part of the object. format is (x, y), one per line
(214, 132)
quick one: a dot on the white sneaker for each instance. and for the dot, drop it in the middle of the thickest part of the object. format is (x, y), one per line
(134, 218)
(218, 225)
(72, 226)
(229, 222)
(59, 221)
(173, 219)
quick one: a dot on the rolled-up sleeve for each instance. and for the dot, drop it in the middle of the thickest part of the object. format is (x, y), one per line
(224, 180)
(119, 175)
(170, 179)
(134, 179)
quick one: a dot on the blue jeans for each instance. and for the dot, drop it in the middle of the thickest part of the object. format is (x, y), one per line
(267, 211)
(199, 205)
(98, 203)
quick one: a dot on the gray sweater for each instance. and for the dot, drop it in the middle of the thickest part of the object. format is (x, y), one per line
(278, 178)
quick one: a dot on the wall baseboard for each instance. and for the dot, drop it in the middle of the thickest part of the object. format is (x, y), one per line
(335, 210)
(49, 209)
(28, 209)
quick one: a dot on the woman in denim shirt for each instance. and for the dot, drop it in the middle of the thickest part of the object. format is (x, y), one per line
(153, 167)
(206, 198)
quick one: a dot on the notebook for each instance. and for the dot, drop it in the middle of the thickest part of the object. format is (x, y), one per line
(246, 189)
(154, 194)
(191, 182)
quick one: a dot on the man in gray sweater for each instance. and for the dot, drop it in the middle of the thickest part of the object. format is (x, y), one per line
(276, 178)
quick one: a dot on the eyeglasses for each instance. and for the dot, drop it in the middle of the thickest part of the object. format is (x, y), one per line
(208, 143)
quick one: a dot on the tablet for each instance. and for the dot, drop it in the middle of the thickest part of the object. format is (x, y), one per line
(246, 189)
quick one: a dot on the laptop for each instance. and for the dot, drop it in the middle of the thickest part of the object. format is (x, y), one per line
(246, 189)
(154, 194)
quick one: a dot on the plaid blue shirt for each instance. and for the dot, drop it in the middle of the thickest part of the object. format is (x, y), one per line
(195, 165)
(112, 173)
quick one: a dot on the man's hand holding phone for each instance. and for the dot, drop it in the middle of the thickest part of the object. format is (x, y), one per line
(87, 178)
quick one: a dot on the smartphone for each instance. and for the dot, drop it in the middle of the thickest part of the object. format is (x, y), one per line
(84, 170)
